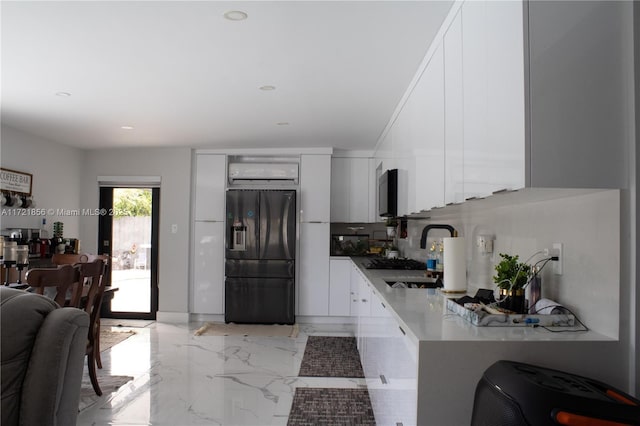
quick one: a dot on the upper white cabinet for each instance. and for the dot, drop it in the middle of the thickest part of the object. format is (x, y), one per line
(453, 113)
(210, 177)
(350, 189)
(315, 188)
(428, 147)
(493, 85)
(535, 94)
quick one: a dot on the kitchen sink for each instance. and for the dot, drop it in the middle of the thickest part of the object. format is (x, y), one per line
(417, 284)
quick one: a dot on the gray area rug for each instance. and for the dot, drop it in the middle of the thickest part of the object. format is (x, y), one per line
(331, 406)
(109, 339)
(329, 356)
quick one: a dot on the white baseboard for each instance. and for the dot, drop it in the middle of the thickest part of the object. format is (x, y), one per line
(206, 318)
(306, 319)
(173, 317)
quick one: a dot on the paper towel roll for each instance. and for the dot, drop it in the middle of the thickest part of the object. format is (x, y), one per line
(455, 264)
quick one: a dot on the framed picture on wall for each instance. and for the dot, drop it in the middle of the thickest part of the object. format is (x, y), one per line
(15, 181)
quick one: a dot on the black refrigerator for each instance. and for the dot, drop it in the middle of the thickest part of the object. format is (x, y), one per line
(260, 256)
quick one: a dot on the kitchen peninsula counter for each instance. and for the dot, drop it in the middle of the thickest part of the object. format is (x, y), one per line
(450, 354)
(424, 315)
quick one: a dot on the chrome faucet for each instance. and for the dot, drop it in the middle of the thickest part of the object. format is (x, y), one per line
(425, 232)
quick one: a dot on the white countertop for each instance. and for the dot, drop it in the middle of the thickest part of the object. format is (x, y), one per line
(423, 315)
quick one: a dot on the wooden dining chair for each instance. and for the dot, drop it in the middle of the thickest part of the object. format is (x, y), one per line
(75, 259)
(72, 259)
(61, 284)
(106, 281)
(69, 258)
(91, 274)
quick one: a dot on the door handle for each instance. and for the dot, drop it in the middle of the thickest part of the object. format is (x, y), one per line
(285, 228)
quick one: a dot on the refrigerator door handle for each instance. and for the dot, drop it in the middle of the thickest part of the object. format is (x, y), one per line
(285, 228)
(265, 225)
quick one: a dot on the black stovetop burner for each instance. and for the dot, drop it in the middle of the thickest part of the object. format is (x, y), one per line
(407, 264)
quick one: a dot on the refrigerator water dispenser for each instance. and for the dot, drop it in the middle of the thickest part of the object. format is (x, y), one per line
(239, 240)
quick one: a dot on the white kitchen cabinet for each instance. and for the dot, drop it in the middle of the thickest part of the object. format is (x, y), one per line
(388, 358)
(428, 147)
(313, 285)
(350, 190)
(403, 159)
(208, 268)
(210, 178)
(493, 84)
(340, 287)
(353, 293)
(528, 99)
(364, 316)
(315, 189)
(453, 113)
(360, 307)
(207, 262)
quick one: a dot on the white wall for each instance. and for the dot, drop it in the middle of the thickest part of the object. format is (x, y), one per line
(56, 179)
(173, 165)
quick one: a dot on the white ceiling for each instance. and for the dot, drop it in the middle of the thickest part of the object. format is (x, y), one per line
(182, 75)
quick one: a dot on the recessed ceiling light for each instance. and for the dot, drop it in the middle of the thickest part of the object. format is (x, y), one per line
(267, 88)
(63, 94)
(126, 127)
(283, 123)
(235, 15)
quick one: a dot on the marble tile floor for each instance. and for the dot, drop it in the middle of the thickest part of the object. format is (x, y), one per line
(181, 379)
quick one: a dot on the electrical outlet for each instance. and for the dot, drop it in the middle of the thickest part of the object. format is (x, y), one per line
(557, 264)
(174, 228)
(484, 243)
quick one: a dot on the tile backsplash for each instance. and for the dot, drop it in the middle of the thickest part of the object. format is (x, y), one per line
(588, 226)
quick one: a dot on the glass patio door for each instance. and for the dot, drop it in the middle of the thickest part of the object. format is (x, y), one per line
(129, 234)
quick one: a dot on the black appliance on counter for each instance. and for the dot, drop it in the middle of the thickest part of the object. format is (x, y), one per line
(406, 264)
(260, 256)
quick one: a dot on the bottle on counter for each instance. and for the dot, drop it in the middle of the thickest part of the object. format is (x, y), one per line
(535, 289)
(432, 260)
(44, 248)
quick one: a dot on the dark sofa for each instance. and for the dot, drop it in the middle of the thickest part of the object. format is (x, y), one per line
(42, 350)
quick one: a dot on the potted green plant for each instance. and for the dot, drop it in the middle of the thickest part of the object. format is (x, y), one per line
(512, 276)
(393, 252)
(392, 225)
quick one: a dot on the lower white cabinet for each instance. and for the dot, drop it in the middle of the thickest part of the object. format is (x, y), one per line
(313, 285)
(353, 293)
(388, 357)
(340, 287)
(208, 268)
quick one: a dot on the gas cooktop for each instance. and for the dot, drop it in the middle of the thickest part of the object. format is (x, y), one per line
(406, 264)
